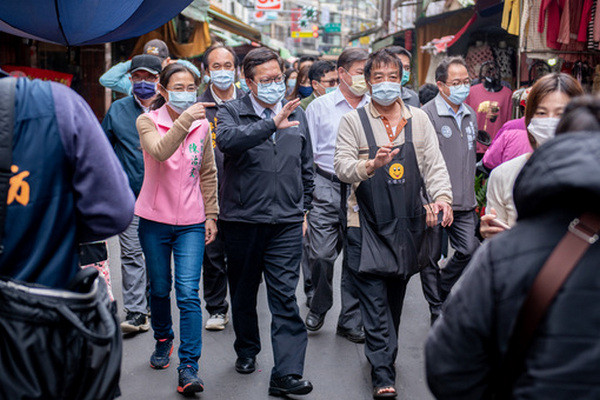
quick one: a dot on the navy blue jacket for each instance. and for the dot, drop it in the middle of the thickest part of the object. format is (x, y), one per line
(468, 341)
(68, 186)
(263, 181)
(119, 126)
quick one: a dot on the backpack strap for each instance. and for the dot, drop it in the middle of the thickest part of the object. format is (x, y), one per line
(7, 124)
(582, 233)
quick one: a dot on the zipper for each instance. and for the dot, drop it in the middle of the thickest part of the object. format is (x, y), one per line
(181, 168)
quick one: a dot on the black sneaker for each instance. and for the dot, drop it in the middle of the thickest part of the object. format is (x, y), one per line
(135, 322)
(189, 382)
(160, 359)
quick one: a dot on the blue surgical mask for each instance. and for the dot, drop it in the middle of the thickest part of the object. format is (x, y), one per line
(271, 93)
(385, 93)
(291, 83)
(305, 91)
(144, 90)
(458, 94)
(181, 101)
(222, 79)
(206, 79)
(405, 77)
(330, 89)
(244, 86)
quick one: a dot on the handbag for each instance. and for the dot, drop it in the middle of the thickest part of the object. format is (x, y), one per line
(54, 343)
(581, 234)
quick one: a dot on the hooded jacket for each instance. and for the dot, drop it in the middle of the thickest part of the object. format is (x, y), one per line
(465, 346)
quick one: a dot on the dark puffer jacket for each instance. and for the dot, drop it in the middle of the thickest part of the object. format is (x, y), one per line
(463, 350)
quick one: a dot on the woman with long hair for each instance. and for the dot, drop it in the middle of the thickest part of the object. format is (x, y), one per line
(545, 105)
(303, 87)
(177, 207)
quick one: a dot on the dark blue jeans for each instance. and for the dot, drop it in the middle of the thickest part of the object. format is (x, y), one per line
(186, 244)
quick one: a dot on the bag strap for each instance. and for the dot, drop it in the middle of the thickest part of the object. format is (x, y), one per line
(582, 233)
(7, 124)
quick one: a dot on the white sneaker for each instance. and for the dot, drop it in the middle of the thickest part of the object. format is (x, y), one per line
(216, 322)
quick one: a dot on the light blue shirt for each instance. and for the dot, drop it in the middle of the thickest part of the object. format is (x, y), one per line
(449, 111)
(117, 77)
(324, 115)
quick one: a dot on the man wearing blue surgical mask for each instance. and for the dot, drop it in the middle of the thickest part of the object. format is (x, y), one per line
(456, 127)
(265, 194)
(220, 64)
(389, 152)
(119, 126)
(323, 77)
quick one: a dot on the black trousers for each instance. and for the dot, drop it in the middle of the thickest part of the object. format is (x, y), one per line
(429, 256)
(381, 300)
(214, 272)
(275, 251)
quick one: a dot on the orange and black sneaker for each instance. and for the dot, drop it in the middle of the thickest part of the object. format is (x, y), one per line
(161, 357)
(189, 382)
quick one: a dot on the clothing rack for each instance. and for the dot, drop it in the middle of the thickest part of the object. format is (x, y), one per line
(551, 51)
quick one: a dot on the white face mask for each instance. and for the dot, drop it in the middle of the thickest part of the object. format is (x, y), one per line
(542, 129)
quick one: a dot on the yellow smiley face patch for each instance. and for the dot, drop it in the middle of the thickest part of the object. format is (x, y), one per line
(396, 171)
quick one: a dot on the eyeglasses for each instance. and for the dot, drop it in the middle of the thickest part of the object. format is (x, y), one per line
(277, 79)
(466, 82)
(181, 88)
(330, 82)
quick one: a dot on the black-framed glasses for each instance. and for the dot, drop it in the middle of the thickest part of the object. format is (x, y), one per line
(330, 82)
(267, 81)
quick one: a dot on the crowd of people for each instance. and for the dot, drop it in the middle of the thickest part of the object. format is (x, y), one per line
(275, 170)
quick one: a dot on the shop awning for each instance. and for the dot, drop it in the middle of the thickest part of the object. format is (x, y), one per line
(83, 22)
(230, 23)
(357, 35)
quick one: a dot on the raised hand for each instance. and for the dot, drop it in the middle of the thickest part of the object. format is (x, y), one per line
(384, 156)
(281, 119)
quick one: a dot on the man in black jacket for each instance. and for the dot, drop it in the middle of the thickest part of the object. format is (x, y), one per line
(220, 62)
(265, 193)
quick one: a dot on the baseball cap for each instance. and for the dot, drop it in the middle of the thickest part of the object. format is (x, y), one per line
(146, 62)
(156, 47)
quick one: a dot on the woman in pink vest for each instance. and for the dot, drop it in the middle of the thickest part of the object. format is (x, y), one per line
(177, 207)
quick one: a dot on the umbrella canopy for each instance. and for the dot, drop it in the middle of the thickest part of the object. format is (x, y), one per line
(83, 22)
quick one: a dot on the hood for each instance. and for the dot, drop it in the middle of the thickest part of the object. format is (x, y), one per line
(565, 172)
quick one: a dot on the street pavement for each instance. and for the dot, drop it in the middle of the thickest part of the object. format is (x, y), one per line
(336, 367)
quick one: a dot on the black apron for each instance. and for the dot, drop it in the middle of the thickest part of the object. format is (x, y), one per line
(392, 216)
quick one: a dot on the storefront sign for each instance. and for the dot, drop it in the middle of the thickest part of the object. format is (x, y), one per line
(37, 73)
(269, 5)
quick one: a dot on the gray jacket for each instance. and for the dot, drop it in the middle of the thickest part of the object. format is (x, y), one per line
(458, 148)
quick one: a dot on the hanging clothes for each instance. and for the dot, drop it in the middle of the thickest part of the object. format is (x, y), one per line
(591, 44)
(530, 39)
(586, 15)
(476, 56)
(549, 10)
(511, 17)
(564, 32)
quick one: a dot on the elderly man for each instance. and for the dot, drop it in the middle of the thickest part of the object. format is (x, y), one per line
(265, 194)
(390, 154)
(325, 221)
(456, 126)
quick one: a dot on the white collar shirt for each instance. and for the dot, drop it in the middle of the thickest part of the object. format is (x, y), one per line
(324, 115)
(220, 101)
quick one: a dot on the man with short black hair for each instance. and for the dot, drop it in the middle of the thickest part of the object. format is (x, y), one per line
(265, 194)
(323, 77)
(306, 60)
(119, 126)
(389, 153)
(325, 221)
(456, 126)
(219, 62)
(408, 96)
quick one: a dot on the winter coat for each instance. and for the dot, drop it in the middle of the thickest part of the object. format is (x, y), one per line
(469, 340)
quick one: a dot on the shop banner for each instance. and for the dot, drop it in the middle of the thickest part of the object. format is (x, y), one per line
(37, 73)
(269, 5)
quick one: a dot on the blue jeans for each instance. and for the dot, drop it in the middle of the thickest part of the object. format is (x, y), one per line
(186, 243)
